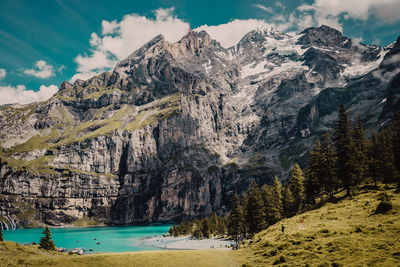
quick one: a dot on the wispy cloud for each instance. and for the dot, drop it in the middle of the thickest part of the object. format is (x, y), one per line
(83, 76)
(332, 13)
(43, 70)
(268, 9)
(3, 74)
(20, 94)
(280, 5)
(61, 68)
(355, 9)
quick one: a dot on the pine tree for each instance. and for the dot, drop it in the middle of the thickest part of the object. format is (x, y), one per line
(243, 203)
(267, 197)
(387, 170)
(328, 174)
(255, 210)
(342, 140)
(396, 145)
(381, 162)
(235, 219)
(358, 160)
(222, 229)
(288, 202)
(278, 198)
(1, 234)
(197, 233)
(373, 154)
(45, 241)
(272, 197)
(313, 174)
(205, 228)
(214, 221)
(297, 188)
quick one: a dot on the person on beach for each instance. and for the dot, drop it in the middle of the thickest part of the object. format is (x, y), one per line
(283, 228)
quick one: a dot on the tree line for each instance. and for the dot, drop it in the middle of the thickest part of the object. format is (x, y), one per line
(341, 160)
(348, 158)
(201, 228)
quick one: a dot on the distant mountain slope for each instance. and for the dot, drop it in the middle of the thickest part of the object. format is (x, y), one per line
(174, 129)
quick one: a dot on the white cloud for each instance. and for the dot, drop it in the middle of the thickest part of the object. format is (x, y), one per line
(3, 74)
(393, 59)
(21, 95)
(230, 33)
(357, 40)
(109, 27)
(43, 70)
(389, 12)
(119, 39)
(83, 76)
(330, 21)
(355, 9)
(98, 60)
(61, 68)
(280, 5)
(330, 13)
(268, 9)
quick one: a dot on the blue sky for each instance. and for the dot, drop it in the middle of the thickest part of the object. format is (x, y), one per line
(43, 43)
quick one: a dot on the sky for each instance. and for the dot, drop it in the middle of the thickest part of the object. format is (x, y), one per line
(43, 43)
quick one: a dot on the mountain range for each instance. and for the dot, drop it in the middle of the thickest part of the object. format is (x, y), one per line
(175, 129)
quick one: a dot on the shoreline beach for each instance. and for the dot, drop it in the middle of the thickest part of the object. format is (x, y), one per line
(186, 243)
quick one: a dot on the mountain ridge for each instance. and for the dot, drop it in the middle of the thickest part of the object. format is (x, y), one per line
(176, 128)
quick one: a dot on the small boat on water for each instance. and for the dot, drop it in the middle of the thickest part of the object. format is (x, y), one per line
(98, 243)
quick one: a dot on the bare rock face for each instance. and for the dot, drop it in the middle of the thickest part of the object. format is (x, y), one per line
(175, 129)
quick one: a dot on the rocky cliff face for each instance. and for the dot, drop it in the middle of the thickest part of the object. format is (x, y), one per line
(175, 129)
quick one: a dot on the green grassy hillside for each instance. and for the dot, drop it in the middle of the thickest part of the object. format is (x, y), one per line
(342, 234)
(12, 254)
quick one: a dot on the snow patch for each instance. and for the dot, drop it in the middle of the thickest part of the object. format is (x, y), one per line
(207, 66)
(358, 69)
(227, 56)
(284, 47)
(252, 69)
(289, 67)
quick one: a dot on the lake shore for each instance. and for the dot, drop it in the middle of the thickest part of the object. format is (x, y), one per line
(186, 243)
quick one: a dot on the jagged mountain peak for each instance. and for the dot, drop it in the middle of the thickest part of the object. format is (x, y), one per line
(324, 36)
(260, 36)
(157, 41)
(269, 31)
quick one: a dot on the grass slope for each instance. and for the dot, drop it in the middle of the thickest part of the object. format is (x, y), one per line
(12, 254)
(342, 234)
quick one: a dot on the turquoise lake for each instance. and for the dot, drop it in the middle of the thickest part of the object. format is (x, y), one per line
(111, 239)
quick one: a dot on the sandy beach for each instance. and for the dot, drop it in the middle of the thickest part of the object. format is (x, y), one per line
(186, 242)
